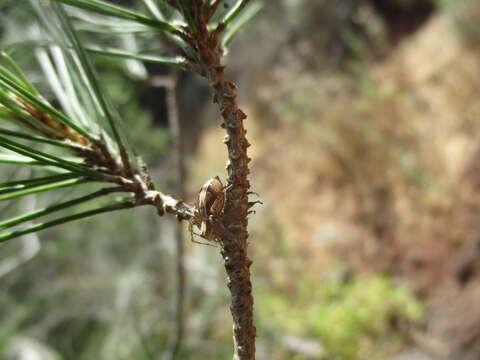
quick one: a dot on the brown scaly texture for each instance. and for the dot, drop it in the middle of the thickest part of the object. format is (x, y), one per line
(234, 237)
(234, 240)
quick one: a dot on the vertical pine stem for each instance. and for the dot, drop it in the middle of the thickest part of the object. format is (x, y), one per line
(234, 236)
(235, 239)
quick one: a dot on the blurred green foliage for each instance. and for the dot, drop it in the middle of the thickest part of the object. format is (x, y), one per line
(150, 140)
(362, 318)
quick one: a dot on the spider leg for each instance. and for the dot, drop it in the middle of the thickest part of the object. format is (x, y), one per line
(198, 242)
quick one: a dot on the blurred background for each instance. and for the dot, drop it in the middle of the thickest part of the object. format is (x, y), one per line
(364, 119)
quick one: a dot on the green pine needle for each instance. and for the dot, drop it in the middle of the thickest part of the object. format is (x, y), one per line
(19, 160)
(88, 67)
(10, 84)
(54, 208)
(18, 72)
(239, 20)
(48, 158)
(36, 181)
(35, 189)
(93, 80)
(165, 60)
(40, 139)
(234, 11)
(106, 8)
(37, 227)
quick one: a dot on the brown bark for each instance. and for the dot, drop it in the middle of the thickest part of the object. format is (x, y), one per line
(205, 59)
(235, 216)
(234, 240)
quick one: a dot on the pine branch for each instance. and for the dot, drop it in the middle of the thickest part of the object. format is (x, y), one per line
(200, 40)
(233, 233)
(24, 106)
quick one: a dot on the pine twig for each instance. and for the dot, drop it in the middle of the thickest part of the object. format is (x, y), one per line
(235, 240)
(234, 219)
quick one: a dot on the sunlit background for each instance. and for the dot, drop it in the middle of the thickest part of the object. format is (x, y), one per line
(364, 120)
